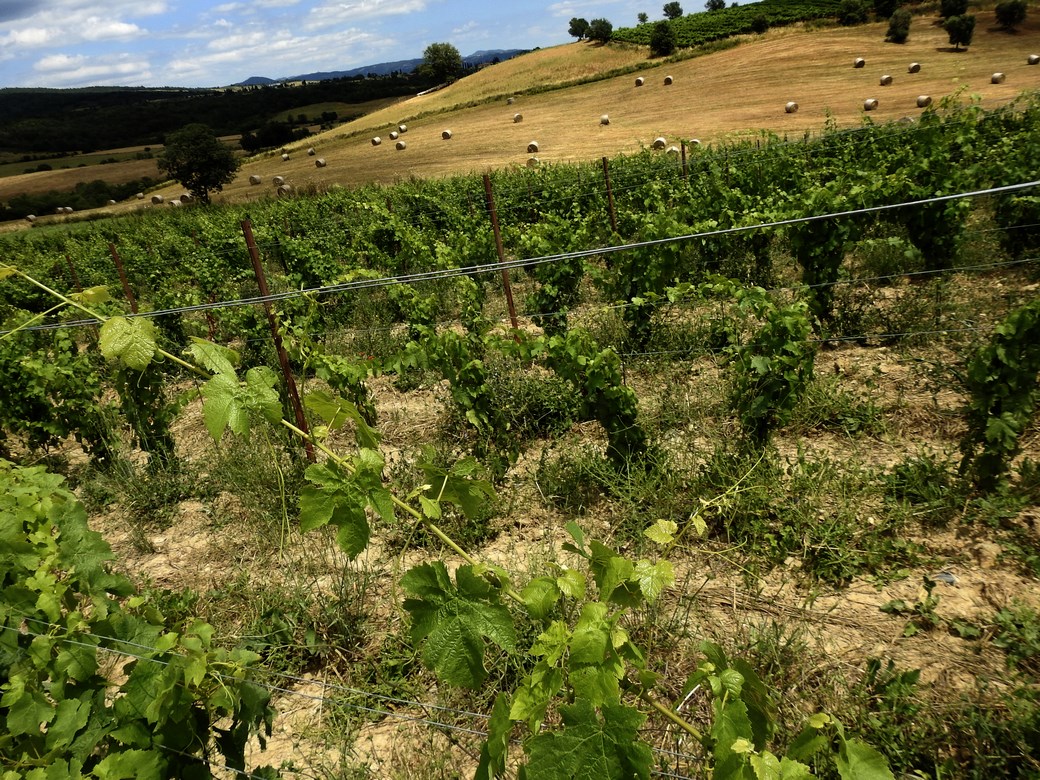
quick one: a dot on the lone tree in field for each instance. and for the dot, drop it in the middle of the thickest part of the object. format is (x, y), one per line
(672, 10)
(1010, 13)
(442, 61)
(961, 29)
(899, 26)
(579, 28)
(715, 5)
(196, 158)
(662, 39)
(643, 18)
(600, 30)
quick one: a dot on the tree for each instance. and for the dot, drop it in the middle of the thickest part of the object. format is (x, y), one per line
(883, 9)
(600, 30)
(1011, 13)
(948, 8)
(960, 29)
(760, 24)
(662, 39)
(852, 12)
(196, 158)
(579, 28)
(643, 18)
(442, 61)
(672, 10)
(899, 26)
(715, 5)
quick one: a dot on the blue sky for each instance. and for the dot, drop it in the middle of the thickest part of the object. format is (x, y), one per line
(183, 43)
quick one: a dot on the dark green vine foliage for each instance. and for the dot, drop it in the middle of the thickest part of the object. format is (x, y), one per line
(1019, 219)
(51, 391)
(92, 683)
(596, 374)
(1001, 380)
(150, 413)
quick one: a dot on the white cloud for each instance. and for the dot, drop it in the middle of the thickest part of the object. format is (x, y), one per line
(77, 70)
(101, 29)
(350, 12)
(28, 38)
(568, 8)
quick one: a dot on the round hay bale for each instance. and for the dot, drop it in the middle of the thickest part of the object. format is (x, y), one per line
(859, 62)
(285, 157)
(254, 179)
(394, 135)
(533, 162)
(870, 104)
(446, 135)
(402, 128)
(604, 120)
(886, 80)
(30, 217)
(175, 203)
(668, 80)
(905, 120)
(660, 143)
(111, 202)
(532, 147)
(140, 196)
(400, 146)
(640, 81)
(923, 101)
(320, 163)
(510, 101)
(278, 181)
(518, 118)
(694, 142)
(311, 152)
(376, 141)
(186, 198)
(790, 107)
(997, 78)
(915, 67)
(69, 209)
(1033, 59)
(157, 199)
(673, 150)
(284, 190)
(59, 210)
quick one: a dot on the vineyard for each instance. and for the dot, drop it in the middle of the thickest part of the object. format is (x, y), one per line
(721, 463)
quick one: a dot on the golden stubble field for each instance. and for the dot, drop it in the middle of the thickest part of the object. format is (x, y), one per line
(738, 92)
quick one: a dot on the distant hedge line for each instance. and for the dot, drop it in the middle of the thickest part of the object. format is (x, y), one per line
(705, 27)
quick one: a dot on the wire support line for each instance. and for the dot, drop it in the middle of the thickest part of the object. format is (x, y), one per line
(496, 267)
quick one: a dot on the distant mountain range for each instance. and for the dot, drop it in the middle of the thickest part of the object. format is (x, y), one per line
(384, 68)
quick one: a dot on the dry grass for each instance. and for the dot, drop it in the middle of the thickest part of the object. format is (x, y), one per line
(734, 93)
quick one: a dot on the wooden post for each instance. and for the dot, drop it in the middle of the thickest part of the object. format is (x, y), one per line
(75, 276)
(685, 169)
(610, 197)
(283, 358)
(501, 252)
(122, 277)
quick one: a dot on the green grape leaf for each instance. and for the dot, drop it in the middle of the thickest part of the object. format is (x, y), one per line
(794, 770)
(337, 412)
(588, 747)
(654, 578)
(455, 619)
(532, 696)
(7, 270)
(221, 407)
(131, 341)
(662, 532)
(495, 749)
(214, 358)
(765, 766)
(572, 583)
(130, 765)
(540, 596)
(259, 394)
(334, 498)
(857, 760)
(92, 295)
(614, 576)
(458, 485)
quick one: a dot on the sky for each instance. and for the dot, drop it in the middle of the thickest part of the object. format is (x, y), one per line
(184, 43)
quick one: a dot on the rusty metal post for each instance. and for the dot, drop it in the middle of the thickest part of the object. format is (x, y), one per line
(276, 336)
(685, 170)
(610, 197)
(122, 277)
(501, 252)
(75, 276)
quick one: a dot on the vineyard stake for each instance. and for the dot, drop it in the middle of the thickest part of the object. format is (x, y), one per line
(610, 197)
(685, 170)
(501, 252)
(283, 359)
(75, 276)
(122, 277)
